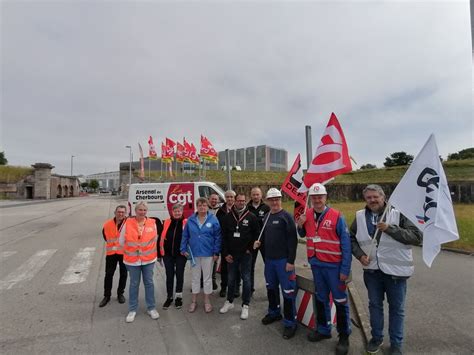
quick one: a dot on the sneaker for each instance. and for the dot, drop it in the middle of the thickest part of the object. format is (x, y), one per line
(289, 332)
(178, 302)
(245, 312)
(374, 345)
(167, 303)
(153, 313)
(104, 301)
(395, 350)
(342, 347)
(130, 317)
(121, 299)
(222, 292)
(268, 319)
(226, 307)
(315, 336)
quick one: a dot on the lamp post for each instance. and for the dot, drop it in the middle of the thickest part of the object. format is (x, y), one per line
(72, 157)
(130, 166)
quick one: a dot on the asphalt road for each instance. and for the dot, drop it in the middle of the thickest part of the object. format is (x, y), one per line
(51, 280)
(439, 312)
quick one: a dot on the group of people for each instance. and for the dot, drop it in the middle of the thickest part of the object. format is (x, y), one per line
(380, 238)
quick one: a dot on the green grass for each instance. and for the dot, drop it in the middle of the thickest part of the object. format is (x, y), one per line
(456, 170)
(12, 174)
(464, 218)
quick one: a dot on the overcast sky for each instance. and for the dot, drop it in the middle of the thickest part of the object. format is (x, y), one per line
(88, 78)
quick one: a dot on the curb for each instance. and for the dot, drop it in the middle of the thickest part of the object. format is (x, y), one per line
(459, 251)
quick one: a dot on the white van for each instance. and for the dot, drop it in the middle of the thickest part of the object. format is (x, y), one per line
(162, 196)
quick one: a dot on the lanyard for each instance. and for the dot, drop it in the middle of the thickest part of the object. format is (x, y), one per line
(318, 221)
(241, 218)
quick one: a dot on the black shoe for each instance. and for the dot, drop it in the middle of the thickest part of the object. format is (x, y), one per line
(178, 302)
(268, 319)
(222, 293)
(167, 303)
(395, 350)
(104, 301)
(214, 285)
(121, 299)
(374, 345)
(289, 332)
(315, 336)
(342, 347)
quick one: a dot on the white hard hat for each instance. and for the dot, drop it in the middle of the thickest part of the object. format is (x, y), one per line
(273, 192)
(317, 189)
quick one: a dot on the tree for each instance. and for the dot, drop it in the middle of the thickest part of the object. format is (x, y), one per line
(85, 185)
(3, 160)
(467, 153)
(397, 159)
(93, 184)
(368, 166)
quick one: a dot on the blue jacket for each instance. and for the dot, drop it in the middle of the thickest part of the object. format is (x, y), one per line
(204, 241)
(343, 233)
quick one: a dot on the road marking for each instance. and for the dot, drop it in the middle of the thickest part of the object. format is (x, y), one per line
(6, 254)
(27, 270)
(79, 267)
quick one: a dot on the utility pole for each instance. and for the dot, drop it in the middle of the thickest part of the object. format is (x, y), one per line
(130, 166)
(72, 157)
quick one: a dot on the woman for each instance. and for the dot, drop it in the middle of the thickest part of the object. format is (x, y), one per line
(201, 241)
(138, 237)
(170, 243)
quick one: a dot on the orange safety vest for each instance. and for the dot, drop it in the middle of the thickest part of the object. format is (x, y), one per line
(112, 234)
(322, 240)
(166, 226)
(139, 249)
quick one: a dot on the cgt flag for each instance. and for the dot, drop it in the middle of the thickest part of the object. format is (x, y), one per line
(331, 157)
(423, 196)
(151, 150)
(292, 183)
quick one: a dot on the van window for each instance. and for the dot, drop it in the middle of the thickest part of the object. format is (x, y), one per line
(206, 191)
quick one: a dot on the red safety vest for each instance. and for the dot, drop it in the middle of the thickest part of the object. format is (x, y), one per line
(140, 248)
(322, 240)
(166, 226)
(112, 234)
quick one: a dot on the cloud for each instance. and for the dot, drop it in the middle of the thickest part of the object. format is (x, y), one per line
(86, 79)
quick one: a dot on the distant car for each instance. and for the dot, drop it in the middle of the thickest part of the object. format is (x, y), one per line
(114, 192)
(103, 190)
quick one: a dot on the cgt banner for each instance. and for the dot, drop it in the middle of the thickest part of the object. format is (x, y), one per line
(291, 185)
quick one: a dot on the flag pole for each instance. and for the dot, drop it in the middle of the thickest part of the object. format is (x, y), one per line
(149, 173)
(374, 239)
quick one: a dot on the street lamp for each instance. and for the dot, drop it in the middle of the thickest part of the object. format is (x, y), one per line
(130, 166)
(72, 156)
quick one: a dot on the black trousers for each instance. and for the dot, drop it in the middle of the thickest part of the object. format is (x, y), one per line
(174, 265)
(224, 275)
(110, 266)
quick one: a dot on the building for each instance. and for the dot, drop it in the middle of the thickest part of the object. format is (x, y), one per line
(257, 158)
(107, 180)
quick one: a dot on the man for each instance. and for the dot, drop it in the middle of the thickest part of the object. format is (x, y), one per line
(229, 196)
(328, 248)
(111, 232)
(259, 209)
(382, 244)
(279, 237)
(214, 204)
(240, 230)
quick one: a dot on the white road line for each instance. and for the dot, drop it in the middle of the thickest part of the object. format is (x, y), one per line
(28, 269)
(6, 254)
(78, 268)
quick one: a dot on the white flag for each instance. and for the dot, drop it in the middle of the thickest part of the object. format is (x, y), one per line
(423, 196)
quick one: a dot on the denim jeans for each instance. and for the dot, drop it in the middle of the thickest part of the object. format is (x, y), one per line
(146, 271)
(241, 267)
(378, 284)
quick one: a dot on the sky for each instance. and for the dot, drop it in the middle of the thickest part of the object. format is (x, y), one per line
(87, 78)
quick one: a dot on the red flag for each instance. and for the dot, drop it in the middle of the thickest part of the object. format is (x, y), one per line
(207, 150)
(193, 155)
(164, 154)
(187, 151)
(151, 150)
(170, 149)
(142, 164)
(331, 157)
(293, 182)
(179, 153)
